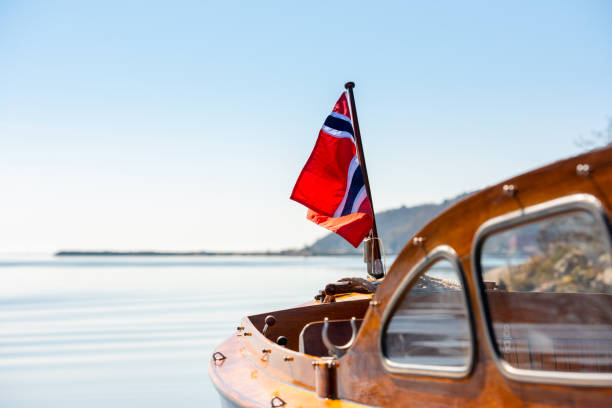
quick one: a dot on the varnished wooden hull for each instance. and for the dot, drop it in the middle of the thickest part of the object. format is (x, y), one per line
(248, 376)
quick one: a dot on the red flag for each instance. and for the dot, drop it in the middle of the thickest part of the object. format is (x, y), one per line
(331, 184)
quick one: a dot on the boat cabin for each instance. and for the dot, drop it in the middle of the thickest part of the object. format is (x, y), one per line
(505, 299)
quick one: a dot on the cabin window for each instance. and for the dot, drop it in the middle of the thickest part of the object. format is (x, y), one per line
(548, 290)
(429, 326)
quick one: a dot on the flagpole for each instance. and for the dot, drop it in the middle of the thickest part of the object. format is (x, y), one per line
(376, 248)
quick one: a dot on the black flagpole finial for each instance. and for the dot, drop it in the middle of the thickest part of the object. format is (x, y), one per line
(349, 85)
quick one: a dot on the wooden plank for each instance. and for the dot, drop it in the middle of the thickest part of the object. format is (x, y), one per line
(573, 355)
(561, 352)
(606, 351)
(534, 356)
(290, 322)
(548, 359)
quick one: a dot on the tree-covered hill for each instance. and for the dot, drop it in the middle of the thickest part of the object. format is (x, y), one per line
(395, 227)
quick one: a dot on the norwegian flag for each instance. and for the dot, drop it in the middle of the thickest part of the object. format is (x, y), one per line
(331, 184)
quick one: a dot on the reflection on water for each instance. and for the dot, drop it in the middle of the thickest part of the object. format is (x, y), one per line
(136, 332)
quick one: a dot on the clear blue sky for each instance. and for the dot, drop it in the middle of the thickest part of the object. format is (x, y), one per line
(183, 125)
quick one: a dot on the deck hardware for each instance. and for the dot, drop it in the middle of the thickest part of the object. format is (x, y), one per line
(218, 356)
(506, 339)
(282, 341)
(277, 402)
(270, 321)
(325, 377)
(240, 328)
(490, 285)
(509, 190)
(266, 354)
(331, 347)
(350, 285)
(418, 241)
(583, 169)
(374, 303)
(320, 296)
(329, 299)
(246, 334)
(288, 359)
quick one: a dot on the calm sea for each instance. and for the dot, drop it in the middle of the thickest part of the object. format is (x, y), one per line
(138, 331)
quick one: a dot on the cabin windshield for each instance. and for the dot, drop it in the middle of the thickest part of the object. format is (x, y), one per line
(549, 293)
(429, 329)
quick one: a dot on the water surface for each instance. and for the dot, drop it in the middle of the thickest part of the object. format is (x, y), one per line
(136, 331)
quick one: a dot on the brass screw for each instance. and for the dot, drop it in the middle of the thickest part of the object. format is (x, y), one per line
(246, 334)
(287, 358)
(583, 169)
(418, 241)
(266, 354)
(240, 328)
(509, 190)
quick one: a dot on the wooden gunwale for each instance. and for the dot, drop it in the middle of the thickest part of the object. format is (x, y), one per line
(246, 381)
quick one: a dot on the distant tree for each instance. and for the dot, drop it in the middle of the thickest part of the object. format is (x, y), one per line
(598, 138)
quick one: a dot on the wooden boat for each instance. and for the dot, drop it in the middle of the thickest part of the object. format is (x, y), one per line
(505, 299)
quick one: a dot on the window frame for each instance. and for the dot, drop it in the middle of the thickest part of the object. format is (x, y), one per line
(442, 252)
(538, 212)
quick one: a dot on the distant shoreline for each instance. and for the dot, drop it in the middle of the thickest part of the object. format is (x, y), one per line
(400, 224)
(290, 252)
